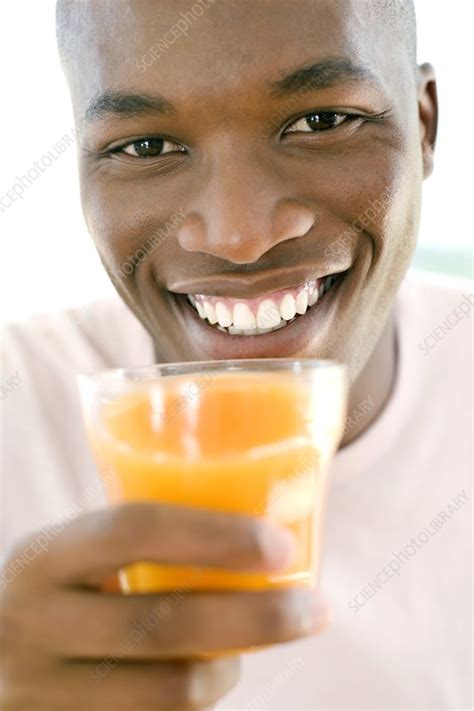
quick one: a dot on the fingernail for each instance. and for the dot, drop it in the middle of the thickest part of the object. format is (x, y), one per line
(322, 611)
(280, 547)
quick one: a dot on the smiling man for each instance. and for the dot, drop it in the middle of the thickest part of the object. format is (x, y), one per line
(251, 175)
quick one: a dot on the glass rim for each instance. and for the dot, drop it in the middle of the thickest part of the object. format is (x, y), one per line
(145, 373)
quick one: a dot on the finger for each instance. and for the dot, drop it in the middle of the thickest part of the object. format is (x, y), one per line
(176, 625)
(101, 542)
(147, 686)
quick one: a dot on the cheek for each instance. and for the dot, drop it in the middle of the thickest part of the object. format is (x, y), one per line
(374, 192)
(120, 220)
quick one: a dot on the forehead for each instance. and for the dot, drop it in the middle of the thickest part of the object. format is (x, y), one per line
(216, 46)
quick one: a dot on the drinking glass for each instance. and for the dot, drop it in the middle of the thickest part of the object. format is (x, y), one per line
(251, 437)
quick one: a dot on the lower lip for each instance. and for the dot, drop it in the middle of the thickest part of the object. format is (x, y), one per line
(291, 340)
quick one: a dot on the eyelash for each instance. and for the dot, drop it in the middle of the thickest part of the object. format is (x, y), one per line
(346, 118)
(147, 139)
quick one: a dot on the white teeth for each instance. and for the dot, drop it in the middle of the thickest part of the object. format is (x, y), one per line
(261, 331)
(233, 331)
(288, 307)
(210, 312)
(313, 296)
(201, 310)
(302, 302)
(223, 314)
(268, 315)
(240, 320)
(243, 317)
(282, 323)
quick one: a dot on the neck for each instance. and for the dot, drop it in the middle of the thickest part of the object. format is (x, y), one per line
(372, 387)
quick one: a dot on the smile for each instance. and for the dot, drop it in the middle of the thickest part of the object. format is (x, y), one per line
(264, 314)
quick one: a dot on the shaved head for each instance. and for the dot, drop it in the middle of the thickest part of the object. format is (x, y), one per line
(400, 14)
(393, 15)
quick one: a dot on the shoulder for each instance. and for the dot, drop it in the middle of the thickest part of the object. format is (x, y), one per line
(439, 312)
(96, 335)
(431, 290)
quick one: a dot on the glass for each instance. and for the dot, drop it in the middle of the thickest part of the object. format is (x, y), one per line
(250, 437)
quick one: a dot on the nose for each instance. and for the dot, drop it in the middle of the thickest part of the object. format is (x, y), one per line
(239, 216)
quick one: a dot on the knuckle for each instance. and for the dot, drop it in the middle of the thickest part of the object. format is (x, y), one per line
(24, 556)
(142, 627)
(161, 623)
(9, 624)
(14, 615)
(117, 523)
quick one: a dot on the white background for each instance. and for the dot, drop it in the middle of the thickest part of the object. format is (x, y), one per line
(47, 258)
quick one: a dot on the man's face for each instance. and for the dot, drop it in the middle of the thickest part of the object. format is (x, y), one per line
(241, 186)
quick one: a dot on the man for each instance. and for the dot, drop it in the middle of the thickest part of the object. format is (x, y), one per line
(251, 174)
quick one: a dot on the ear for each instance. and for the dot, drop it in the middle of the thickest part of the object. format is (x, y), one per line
(428, 115)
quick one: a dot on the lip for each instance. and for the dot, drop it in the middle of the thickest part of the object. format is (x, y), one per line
(248, 286)
(285, 342)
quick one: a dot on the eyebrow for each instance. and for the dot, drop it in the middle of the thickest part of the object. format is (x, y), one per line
(127, 105)
(321, 75)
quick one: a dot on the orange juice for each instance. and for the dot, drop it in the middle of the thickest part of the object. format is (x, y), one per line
(241, 443)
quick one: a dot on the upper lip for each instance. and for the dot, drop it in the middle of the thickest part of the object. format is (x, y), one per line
(249, 286)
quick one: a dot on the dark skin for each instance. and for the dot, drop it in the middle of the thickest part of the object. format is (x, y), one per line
(263, 209)
(287, 198)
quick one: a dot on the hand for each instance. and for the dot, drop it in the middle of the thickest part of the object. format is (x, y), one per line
(67, 645)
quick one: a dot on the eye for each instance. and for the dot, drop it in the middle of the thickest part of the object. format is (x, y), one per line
(149, 148)
(318, 121)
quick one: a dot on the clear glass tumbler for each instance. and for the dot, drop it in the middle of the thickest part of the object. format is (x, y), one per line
(251, 437)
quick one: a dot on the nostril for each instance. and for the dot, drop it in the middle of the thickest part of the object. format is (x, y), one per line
(246, 244)
(191, 233)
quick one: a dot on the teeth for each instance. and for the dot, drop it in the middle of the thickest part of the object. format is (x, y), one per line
(210, 312)
(280, 325)
(201, 310)
(235, 331)
(240, 320)
(261, 331)
(243, 317)
(288, 307)
(251, 331)
(268, 315)
(223, 314)
(313, 295)
(302, 302)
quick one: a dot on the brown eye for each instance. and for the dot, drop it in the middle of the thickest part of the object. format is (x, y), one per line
(323, 121)
(150, 148)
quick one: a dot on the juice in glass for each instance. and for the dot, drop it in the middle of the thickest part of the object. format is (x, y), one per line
(241, 437)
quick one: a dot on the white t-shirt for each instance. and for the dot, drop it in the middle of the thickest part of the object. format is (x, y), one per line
(397, 563)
